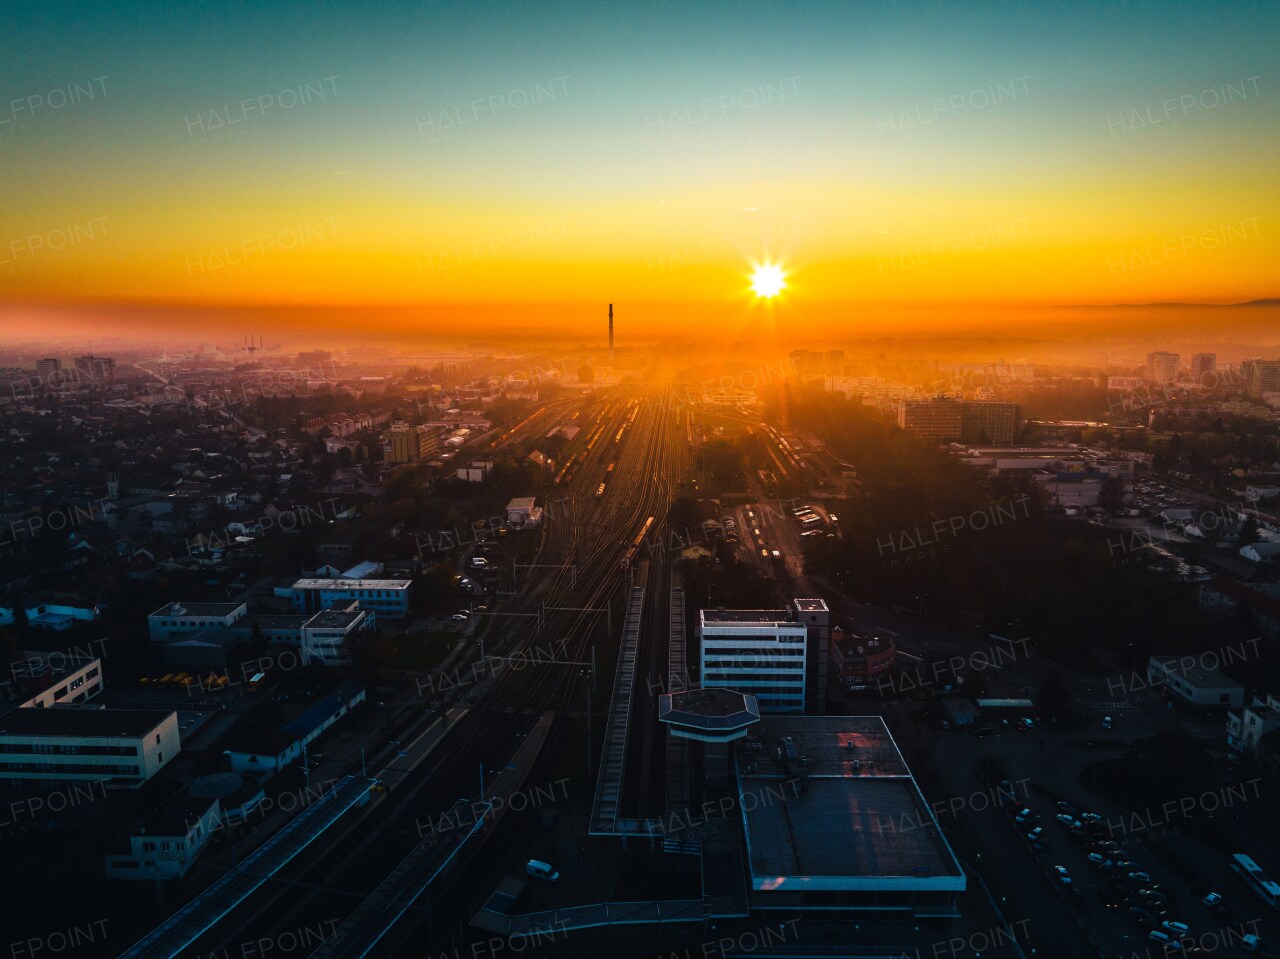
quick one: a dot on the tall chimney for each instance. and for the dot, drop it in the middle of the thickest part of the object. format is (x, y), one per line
(611, 334)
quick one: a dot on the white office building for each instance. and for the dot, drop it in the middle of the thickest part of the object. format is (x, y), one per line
(120, 747)
(757, 651)
(180, 619)
(325, 636)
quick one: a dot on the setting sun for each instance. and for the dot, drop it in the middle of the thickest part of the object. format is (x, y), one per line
(768, 280)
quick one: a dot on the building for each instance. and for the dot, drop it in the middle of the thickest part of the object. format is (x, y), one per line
(759, 652)
(48, 367)
(167, 845)
(946, 420)
(987, 421)
(856, 660)
(180, 619)
(1194, 684)
(1224, 598)
(815, 616)
(266, 753)
(833, 822)
(1162, 367)
(57, 617)
(1246, 727)
(96, 368)
(403, 443)
(940, 420)
(387, 598)
(122, 748)
(1202, 364)
(477, 471)
(523, 514)
(326, 635)
(1263, 377)
(41, 680)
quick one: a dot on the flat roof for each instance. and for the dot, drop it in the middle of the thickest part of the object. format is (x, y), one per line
(335, 618)
(845, 829)
(82, 722)
(522, 502)
(198, 609)
(352, 584)
(1194, 673)
(716, 617)
(811, 605)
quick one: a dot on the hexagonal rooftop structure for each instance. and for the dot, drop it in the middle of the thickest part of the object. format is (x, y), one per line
(708, 715)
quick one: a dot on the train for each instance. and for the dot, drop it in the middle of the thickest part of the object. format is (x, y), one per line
(637, 541)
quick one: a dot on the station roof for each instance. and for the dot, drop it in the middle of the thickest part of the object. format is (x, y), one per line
(844, 828)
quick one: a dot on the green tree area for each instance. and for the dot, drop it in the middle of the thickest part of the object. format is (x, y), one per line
(925, 530)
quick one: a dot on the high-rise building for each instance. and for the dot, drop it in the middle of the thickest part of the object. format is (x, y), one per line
(95, 368)
(991, 422)
(400, 443)
(1264, 377)
(1162, 367)
(1201, 365)
(946, 420)
(47, 366)
(940, 420)
(428, 440)
(762, 652)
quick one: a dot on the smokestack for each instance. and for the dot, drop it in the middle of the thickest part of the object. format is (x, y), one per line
(611, 334)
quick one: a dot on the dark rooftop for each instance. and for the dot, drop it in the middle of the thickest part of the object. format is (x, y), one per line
(77, 721)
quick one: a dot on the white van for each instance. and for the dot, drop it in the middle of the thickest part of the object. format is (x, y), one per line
(541, 870)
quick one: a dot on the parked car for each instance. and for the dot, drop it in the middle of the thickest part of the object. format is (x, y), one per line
(1064, 877)
(1096, 859)
(1067, 821)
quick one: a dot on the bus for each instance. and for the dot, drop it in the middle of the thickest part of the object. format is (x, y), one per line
(1258, 880)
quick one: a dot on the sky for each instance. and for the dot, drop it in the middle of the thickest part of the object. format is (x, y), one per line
(499, 164)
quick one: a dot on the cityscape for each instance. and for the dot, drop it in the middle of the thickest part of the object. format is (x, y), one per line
(691, 481)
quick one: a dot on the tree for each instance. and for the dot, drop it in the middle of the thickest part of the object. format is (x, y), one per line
(1053, 695)
(1248, 532)
(1111, 494)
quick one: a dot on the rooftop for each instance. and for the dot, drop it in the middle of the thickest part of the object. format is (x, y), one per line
(811, 605)
(335, 618)
(709, 709)
(758, 616)
(845, 829)
(82, 722)
(352, 584)
(1189, 668)
(198, 609)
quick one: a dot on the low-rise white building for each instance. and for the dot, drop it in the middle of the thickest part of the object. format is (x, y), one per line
(122, 747)
(167, 846)
(1246, 727)
(325, 636)
(522, 513)
(179, 619)
(388, 598)
(1194, 684)
(43, 680)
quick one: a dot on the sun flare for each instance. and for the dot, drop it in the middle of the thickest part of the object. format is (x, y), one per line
(768, 280)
